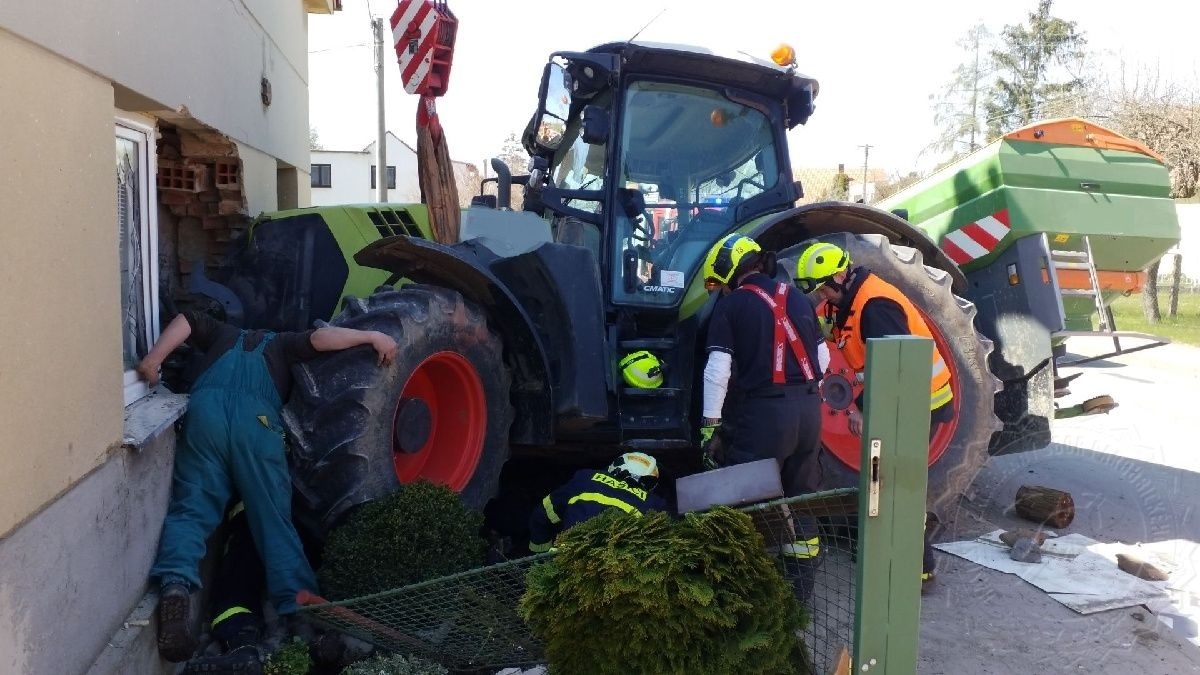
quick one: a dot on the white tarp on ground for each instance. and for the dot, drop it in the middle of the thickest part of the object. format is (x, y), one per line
(1079, 572)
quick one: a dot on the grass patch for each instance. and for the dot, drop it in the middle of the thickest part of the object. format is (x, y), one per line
(1183, 328)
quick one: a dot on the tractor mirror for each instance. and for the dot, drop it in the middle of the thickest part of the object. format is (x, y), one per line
(555, 107)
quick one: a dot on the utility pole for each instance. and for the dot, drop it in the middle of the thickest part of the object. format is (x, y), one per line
(866, 153)
(381, 187)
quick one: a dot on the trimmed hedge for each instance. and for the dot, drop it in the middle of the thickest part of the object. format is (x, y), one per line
(659, 595)
(290, 659)
(421, 531)
(394, 664)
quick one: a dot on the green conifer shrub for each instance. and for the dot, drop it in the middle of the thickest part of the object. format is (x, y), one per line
(290, 659)
(698, 594)
(421, 531)
(394, 664)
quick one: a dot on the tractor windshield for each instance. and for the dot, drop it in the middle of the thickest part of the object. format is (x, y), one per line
(694, 155)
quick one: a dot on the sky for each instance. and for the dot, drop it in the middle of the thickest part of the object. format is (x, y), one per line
(878, 62)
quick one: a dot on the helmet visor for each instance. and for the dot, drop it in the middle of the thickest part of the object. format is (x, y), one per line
(808, 286)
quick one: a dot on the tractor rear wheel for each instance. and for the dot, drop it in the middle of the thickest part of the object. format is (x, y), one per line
(960, 447)
(440, 412)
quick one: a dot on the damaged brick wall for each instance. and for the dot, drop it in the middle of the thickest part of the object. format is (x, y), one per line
(202, 205)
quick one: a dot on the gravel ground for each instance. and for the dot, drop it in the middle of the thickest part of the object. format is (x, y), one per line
(1135, 477)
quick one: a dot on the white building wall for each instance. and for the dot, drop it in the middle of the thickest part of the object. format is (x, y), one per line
(207, 57)
(351, 175)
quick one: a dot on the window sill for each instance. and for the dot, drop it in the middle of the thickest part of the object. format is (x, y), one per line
(148, 417)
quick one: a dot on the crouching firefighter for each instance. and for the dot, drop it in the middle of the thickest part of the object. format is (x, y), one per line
(627, 484)
(770, 333)
(859, 305)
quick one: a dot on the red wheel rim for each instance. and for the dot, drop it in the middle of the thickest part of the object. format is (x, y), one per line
(835, 425)
(450, 386)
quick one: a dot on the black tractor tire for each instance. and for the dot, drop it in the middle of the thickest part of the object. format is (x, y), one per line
(1029, 428)
(340, 416)
(929, 289)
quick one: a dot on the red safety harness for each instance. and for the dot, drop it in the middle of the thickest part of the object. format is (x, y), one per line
(785, 331)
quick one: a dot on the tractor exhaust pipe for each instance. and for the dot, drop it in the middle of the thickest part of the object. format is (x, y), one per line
(503, 184)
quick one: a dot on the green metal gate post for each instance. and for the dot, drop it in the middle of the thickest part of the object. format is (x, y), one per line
(892, 505)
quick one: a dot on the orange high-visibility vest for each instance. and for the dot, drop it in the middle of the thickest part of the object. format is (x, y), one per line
(854, 348)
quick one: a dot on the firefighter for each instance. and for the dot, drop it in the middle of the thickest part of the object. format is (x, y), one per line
(767, 333)
(232, 441)
(859, 305)
(627, 484)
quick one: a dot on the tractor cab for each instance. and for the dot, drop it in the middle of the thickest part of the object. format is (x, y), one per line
(654, 153)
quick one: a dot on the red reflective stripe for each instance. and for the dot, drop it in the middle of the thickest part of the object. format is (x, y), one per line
(955, 253)
(980, 235)
(785, 331)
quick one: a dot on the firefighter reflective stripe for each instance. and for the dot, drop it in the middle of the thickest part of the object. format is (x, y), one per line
(232, 611)
(852, 344)
(605, 500)
(550, 512)
(785, 330)
(539, 548)
(941, 397)
(803, 548)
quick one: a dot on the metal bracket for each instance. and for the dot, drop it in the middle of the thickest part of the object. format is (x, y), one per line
(873, 488)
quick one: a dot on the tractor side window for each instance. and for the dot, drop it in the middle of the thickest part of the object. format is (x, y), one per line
(581, 168)
(693, 155)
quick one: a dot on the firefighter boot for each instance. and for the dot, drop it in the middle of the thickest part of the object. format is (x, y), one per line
(175, 640)
(241, 657)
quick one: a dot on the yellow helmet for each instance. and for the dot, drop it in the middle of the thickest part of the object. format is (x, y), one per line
(642, 369)
(636, 466)
(726, 255)
(818, 263)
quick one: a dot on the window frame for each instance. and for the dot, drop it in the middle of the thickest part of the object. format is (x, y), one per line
(143, 135)
(391, 173)
(314, 175)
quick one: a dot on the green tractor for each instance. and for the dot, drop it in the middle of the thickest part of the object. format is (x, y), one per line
(642, 157)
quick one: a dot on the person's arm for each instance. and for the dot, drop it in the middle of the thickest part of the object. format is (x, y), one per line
(545, 521)
(175, 334)
(880, 317)
(720, 362)
(336, 338)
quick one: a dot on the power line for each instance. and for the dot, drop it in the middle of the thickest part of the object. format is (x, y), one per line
(330, 49)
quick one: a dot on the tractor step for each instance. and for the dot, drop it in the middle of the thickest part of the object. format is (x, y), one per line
(660, 392)
(651, 344)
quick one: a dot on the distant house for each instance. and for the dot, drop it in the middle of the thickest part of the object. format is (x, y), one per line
(348, 176)
(823, 183)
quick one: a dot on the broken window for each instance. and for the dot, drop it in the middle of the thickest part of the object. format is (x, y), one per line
(139, 250)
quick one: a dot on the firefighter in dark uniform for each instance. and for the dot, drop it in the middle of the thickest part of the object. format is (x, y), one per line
(628, 484)
(767, 333)
(859, 305)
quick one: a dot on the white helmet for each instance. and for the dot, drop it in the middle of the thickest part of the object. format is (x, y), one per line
(636, 466)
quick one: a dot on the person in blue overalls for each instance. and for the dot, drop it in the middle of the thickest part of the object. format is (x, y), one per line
(232, 442)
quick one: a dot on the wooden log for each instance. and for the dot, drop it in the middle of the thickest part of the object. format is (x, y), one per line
(1140, 568)
(1041, 504)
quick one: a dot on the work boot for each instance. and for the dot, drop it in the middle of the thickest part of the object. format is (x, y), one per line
(241, 656)
(175, 640)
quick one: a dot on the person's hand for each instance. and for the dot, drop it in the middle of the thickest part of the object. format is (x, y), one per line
(856, 422)
(708, 446)
(385, 347)
(147, 370)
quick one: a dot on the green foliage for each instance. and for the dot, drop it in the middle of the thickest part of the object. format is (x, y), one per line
(394, 664)
(1034, 70)
(656, 595)
(419, 532)
(290, 659)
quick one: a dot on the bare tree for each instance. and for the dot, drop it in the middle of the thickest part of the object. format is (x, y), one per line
(314, 141)
(958, 110)
(1166, 117)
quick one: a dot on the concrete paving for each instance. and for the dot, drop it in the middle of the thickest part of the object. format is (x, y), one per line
(1134, 475)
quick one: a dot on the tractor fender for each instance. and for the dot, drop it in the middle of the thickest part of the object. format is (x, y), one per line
(781, 230)
(464, 268)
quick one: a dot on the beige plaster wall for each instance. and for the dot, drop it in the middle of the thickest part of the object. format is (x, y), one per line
(60, 358)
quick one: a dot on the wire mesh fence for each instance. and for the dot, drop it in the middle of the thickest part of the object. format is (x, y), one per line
(470, 621)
